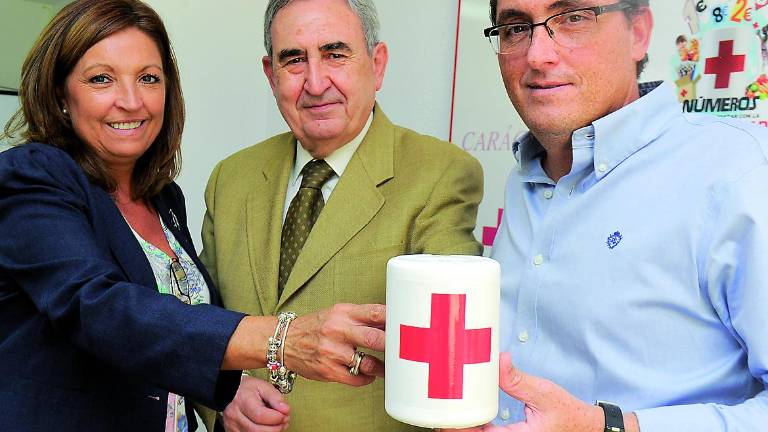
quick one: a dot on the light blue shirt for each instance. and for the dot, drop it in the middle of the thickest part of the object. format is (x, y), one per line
(641, 277)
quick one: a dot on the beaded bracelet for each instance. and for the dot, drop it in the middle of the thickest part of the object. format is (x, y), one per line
(279, 375)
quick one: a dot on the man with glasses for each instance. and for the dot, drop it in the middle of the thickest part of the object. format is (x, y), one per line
(635, 237)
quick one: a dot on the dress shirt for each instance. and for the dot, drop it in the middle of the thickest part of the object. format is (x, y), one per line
(338, 160)
(640, 277)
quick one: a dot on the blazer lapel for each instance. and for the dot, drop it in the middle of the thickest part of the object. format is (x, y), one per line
(167, 206)
(124, 246)
(264, 213)
(354, 202)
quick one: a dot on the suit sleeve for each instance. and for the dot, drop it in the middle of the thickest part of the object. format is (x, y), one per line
(446, 223)
(50, 250)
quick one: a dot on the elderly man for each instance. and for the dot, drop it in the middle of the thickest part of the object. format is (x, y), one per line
(635, 238)
(306, 221)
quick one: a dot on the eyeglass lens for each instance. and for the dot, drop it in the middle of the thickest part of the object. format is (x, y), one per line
(570, 30)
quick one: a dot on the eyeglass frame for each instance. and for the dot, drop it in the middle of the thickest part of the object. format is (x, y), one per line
(597, 10)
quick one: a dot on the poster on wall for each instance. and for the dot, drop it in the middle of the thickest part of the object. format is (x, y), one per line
(721, 66)
(715, 52)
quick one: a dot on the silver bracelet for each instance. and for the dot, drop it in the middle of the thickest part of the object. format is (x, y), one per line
(279, 375)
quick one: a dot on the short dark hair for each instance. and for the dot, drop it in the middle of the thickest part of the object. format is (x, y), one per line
(635, 6)
(75, 29)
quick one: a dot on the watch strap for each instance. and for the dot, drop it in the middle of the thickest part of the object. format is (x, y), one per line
(614, 418)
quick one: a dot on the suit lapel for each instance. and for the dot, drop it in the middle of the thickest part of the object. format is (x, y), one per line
(354, 202)
(264, 219)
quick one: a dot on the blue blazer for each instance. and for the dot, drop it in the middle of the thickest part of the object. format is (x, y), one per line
(86, 340)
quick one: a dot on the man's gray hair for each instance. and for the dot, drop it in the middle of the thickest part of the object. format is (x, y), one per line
(365, 10)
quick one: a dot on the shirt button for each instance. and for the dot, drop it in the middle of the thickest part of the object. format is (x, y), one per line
(505, 414)
(602, 168)
(548, 194)
(538, 260)
(523, 336)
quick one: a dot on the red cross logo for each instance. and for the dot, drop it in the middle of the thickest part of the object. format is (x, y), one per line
(446, 345)
(684, 93)
(724, 64)
(489, 233)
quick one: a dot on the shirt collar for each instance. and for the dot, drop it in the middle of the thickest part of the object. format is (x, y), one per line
(527, 150)
(615, 137)
(338, 160)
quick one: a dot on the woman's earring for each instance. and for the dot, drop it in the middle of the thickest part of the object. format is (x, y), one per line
(64, 111)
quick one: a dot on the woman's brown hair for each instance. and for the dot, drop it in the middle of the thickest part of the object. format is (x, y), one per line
(74, 30)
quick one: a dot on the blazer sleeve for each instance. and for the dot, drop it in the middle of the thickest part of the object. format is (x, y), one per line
(172, 208)
(446, 223)
(51, 250)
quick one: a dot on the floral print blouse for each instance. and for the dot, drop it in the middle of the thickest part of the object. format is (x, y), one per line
(180, 278)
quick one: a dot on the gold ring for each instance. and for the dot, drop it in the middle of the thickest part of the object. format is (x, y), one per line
(358, 358)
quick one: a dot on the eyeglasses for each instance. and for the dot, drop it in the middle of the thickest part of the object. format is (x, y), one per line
(571, 29)
(179, 281)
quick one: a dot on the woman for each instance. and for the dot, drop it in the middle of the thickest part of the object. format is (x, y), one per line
(105, 317)
(90, 219)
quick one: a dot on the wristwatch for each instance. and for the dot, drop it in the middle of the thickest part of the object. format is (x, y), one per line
(614, 419)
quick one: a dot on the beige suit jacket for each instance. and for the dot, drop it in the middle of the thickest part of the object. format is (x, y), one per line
(402, 193)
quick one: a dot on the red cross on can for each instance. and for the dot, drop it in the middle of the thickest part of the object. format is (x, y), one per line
(442, 340)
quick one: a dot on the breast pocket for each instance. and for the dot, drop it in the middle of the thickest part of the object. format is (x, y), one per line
(360, 276)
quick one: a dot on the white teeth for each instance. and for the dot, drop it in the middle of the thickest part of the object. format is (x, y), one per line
(125, 126)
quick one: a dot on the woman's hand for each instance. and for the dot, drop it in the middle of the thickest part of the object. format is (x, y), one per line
(321, 346)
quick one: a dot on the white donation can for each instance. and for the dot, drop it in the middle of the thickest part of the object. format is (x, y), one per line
(442, 343)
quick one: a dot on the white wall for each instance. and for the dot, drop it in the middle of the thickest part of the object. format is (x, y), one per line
(8, 106)
(229, 106)
(219, 46)
(20, 23)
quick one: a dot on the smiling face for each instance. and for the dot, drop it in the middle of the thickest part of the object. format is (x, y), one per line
(115, 96)
(320, 71)
(558, 90)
